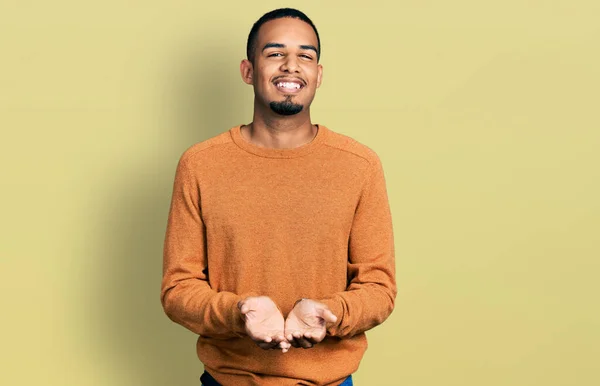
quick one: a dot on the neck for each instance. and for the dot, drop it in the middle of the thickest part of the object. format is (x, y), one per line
(280, 132)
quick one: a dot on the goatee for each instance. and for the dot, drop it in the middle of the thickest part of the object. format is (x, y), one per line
(286, 107)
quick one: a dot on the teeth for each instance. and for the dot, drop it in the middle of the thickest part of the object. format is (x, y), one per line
(288, 85)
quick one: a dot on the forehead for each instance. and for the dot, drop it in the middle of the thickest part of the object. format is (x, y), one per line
(286, 30)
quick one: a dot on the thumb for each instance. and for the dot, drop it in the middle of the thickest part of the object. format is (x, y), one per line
(326, 314)
(245, 305)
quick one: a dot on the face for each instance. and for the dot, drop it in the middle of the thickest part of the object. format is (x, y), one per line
(285, 73)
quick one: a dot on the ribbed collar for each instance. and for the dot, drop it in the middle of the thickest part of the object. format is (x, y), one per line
(236, 135)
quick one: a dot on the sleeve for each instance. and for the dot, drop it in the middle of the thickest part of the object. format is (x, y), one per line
(370, 296)
(186, 294)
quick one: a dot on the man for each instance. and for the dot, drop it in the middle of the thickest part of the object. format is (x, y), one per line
(279, 248)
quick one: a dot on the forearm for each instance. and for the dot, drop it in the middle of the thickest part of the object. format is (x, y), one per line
(194, 305)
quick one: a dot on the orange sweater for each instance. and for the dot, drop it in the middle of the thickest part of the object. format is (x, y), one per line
(308, 222)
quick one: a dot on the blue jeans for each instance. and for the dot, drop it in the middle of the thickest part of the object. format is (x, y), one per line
(207, 380)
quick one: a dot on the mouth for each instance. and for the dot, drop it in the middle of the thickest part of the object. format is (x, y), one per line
(289, 85)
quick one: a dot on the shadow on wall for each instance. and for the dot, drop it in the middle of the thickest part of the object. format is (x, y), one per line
(140, 344)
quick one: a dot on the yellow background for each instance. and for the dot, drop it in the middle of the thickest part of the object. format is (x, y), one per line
(484, 113)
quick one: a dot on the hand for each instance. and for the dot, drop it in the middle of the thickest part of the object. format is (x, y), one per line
(306, 324)
(264, 322)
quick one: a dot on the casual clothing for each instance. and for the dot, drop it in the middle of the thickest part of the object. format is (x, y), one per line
(307, 222)
(347, 381)
(208, 380)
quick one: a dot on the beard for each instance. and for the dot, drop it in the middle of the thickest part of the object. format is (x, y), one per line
(286, 107)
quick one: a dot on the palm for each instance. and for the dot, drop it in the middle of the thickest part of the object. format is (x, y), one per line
(265, 321)
(305, 322)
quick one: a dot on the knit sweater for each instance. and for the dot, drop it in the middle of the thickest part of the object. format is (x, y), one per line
(306, 222)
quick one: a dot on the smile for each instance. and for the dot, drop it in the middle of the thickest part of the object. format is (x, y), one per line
(289, 86)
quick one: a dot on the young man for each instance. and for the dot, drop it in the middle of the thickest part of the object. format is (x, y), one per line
(279, 248)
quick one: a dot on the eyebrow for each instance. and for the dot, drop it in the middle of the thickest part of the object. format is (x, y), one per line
(279, 45)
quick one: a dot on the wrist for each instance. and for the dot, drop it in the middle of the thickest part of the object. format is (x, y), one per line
(299, 300)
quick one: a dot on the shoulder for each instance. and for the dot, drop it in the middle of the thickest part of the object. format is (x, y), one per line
(206, 149)
(346, 144)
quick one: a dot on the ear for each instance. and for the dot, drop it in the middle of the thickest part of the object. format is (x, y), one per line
(247, 71)
(319, 74)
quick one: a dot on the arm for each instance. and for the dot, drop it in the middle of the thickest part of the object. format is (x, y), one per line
(186, 295)
(370, 296)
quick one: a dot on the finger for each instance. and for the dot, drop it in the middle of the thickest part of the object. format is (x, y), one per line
(276, 340)
(313, 337)
(262, 344)
(278, 337)
(292, 340)
(265, 346)
(267, 343)
(242, 303)
(330, 316)
(279, 342)
(295, 341)
(262, 339)
(303, 342)
(275, 343)
(285, 346)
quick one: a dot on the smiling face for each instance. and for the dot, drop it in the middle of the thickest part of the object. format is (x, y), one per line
(285, 73)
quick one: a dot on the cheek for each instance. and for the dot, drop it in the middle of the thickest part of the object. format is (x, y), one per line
(313, 83)
(265, 71)
(264, 80)
(261, 83)
(312, 76)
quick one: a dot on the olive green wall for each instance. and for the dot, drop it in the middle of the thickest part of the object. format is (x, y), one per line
(485, 115)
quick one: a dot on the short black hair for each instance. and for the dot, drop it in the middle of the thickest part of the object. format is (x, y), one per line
(277, 14)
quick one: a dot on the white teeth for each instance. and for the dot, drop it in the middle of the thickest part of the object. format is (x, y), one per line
(288, 85)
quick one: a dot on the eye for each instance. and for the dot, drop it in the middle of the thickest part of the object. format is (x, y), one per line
(306, 56)
(275, 54)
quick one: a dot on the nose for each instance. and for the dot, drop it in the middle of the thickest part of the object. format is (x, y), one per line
(290, 64)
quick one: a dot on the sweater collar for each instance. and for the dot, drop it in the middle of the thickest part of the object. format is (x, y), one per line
(269, 152)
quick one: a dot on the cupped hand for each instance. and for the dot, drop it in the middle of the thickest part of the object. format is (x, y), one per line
(306, 324)
(264, 322)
